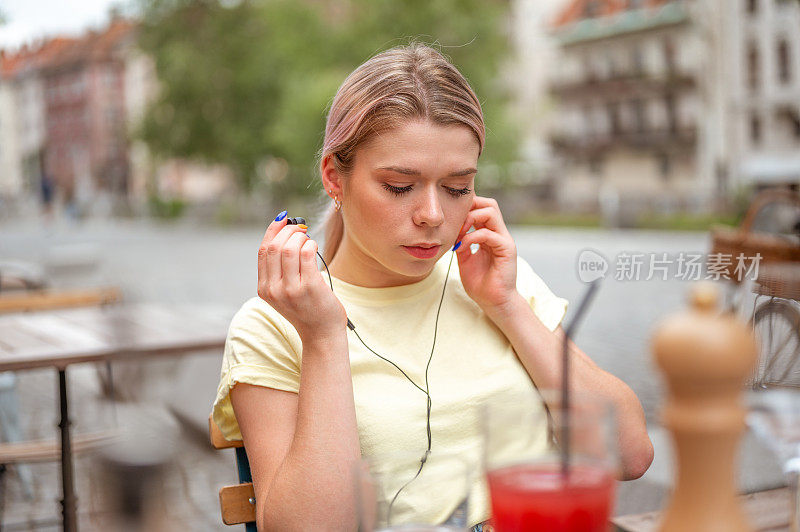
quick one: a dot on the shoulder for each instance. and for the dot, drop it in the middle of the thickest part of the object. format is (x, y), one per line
(256, 314)
(257, 326)
(547, 306)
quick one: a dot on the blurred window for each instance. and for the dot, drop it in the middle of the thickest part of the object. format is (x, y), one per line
(664, 165)
(672, 118)
(639, 117)
(752, 6)
(755, 129)
(596, 166)
(587, 120)
(637, 60)
(669, 54)
(612, 65)
(591, 9)
(635, 4)
(790, 118)
(784, 68)
(588, 69)
(752, 67)
(613, 117)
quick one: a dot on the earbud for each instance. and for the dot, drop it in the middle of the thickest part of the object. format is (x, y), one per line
(296, 221)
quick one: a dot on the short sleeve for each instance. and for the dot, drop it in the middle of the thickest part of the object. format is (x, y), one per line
(262, 348)
(548, 307)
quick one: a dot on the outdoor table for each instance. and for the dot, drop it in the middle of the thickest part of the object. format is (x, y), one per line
(116, 332)
(766, 510)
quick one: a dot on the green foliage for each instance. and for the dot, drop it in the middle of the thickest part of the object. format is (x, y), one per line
(167, 209)
(249, 82)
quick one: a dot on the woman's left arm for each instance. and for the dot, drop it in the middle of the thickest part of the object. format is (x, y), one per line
(539, 350)
(489, 277)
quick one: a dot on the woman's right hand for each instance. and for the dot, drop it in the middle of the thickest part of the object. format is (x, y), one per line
(289, 280)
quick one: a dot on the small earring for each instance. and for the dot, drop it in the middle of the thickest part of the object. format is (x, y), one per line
(337, 204)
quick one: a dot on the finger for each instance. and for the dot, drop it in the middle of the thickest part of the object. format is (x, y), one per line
(482, 201)
(274, 268)
(499, 244)
(272, 230)
(290, 258)
(308, 261)
(485, 217)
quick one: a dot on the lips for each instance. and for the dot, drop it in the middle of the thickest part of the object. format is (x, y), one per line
(423, 251)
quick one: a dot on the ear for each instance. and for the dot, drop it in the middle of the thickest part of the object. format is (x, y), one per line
(331, 179)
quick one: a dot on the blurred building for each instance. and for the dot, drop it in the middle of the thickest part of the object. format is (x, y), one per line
(22, 118)
(764, 98)
(10, 178)
(63, 129)
(84, 99)
(632, 85)
(529, 74)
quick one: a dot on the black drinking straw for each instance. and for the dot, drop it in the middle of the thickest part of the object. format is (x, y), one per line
(565, 403)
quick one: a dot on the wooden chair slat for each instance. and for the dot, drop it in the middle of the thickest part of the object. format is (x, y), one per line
(235, 505)
(50, 450)
(218, 441)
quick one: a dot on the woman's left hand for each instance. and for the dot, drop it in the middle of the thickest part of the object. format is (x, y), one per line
(490, 275)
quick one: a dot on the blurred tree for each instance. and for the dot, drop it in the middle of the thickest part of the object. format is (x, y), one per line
(247, 83)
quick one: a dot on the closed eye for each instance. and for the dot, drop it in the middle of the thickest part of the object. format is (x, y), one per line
(399, 191)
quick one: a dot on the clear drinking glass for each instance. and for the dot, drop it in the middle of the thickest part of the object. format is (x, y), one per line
(396, 492)
(550, 468)
(775, 417)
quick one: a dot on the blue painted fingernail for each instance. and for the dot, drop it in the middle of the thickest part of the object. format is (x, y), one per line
(281, 216)
(458, 245)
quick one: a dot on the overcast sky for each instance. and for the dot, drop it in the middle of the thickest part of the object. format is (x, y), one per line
(27, 20)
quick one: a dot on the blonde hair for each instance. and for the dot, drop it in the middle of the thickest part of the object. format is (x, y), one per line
(402, 83)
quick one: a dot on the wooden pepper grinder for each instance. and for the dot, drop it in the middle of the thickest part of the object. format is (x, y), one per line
(705, 358)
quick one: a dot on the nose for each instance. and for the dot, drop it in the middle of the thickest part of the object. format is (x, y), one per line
(428, 210)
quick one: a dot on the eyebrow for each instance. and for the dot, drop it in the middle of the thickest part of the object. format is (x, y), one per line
(411, 171)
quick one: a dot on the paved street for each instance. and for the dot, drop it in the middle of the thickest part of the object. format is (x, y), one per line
(181, 263)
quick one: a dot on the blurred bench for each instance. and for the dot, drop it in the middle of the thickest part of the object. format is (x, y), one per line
(13, 450)
(35, 300)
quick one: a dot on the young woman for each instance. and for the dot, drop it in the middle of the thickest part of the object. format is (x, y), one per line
(435, 332)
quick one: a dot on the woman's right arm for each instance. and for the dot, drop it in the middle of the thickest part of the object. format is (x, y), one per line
(302, 447)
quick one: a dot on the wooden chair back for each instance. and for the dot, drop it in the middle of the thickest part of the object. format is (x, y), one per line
(237, 503)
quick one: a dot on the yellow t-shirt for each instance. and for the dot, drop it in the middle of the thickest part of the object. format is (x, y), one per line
(472, 361)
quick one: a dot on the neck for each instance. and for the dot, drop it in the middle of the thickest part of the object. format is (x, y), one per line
(353, 266)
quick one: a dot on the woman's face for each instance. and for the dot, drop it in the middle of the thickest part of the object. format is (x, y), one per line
(410, 189)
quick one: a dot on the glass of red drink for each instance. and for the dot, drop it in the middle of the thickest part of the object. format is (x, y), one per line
(550, 466)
